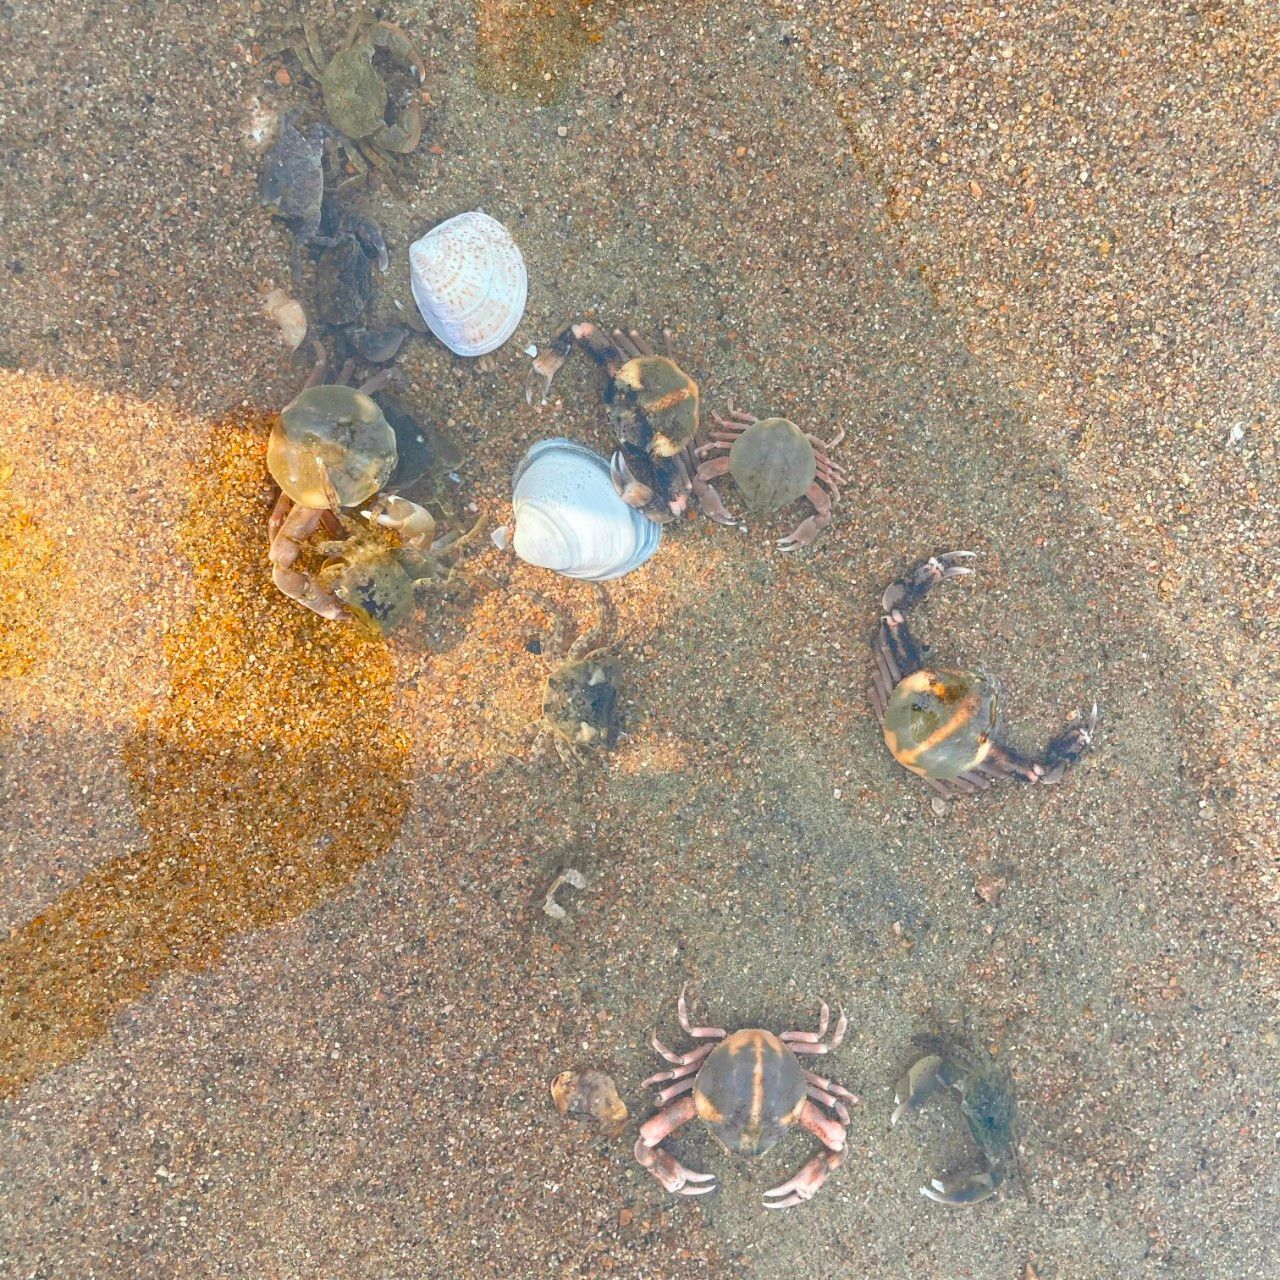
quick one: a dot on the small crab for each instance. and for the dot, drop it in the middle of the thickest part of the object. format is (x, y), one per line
(653, 405)
(292, 182)
(580, 697)
(987, 1104)
(774, 463)
(750, 1090)
(942, 723)
(355, 95)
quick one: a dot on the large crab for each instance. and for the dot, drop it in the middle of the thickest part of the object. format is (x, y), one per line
(355, 95)
(580, 697)
(653, 405)
(332, 448)
(987, 1105)
(774, 463)
(292, 182)
(749, 1089)
(941, 723)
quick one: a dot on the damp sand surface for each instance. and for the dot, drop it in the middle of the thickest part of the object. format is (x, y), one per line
(279, 997)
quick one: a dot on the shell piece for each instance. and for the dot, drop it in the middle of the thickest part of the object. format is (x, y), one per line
(569, 518)
(469, 281)
(590, 1095)
(331, 441)
(940, 723)
(773, 463)
(287, 312)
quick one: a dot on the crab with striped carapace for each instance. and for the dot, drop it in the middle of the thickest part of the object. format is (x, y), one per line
(750, 1090)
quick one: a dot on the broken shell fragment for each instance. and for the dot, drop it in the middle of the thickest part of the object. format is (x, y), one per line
(590, 1095)
(287, 312)
(569, 518)
(469, 281)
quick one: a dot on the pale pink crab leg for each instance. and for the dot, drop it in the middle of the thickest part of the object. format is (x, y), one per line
(681, 1060)
(826, 445)
(675, 1090)
(284, 504)
(807, 1042)
(662, 1165)
(806, 1184)
(811, 1037)
(805, 532)
(821, 1082)
(698, 1033)
(829, 1100)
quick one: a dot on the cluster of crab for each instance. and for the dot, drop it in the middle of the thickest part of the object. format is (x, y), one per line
(750, 1089)
(654, 404)
(346, 245)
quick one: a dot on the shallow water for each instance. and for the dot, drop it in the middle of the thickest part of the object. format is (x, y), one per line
(300, 1017)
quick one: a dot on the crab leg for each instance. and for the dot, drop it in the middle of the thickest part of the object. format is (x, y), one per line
(809, 1042)
(661, 1164)
(674, 1091)
(694, 1056)
(806, 1184)
(913, 587)
(699, 474)
(829, 1100)
(292, 531)
(830, 1086)
(824, 1018)
(603, 624)
(805, 532)
(698, 1033)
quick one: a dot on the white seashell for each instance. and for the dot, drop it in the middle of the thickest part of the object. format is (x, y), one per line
(569, 518)
(469, 282)
(289, 315)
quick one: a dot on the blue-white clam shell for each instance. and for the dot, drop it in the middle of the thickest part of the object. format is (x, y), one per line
(569, 518)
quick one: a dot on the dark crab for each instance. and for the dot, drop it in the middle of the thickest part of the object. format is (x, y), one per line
(773, 463)
(292, 182)
(580, 697)
(653, 406)
(942, 723)
(987, 1105)
(750, 1091)
(355, 95)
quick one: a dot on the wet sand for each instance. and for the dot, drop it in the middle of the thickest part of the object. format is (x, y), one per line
(280, 997)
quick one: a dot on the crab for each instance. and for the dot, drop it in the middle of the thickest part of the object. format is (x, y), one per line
(942, 723)
(987, 1105)
(749, 1089)
(774, 463)
(332, 448)
(355, 95)
(580, 697)
(292, 182)
(653, 405)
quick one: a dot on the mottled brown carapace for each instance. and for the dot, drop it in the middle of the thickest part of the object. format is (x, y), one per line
(750, 1091)
(264, 777)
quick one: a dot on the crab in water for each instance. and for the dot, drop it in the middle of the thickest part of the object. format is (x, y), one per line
(942, 723)
(653, 405)
(580, 697)
(987, 1104)
(355, 95)
(773, 462)
(292, 182)
(749, 1089)
(332, 448)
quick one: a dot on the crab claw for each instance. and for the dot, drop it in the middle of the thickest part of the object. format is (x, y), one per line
(671, 1173)
(631, 490)
(964, 1189)
(908, 590)
(545, 367)
(1069, 746)
(916, 1086)
(806, 1184)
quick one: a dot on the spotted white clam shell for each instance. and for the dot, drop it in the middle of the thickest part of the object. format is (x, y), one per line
(469, 281)
(569, 518)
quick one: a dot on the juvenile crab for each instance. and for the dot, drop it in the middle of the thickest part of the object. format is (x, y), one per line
(987, 1104)
(750, 1090)
(355, 95)
(580, 697)
(774, 463)
(942, 723)
(653, 405)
